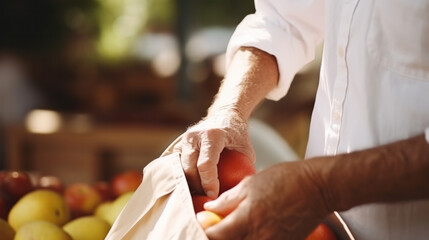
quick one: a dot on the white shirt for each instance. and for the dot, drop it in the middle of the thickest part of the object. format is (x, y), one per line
(373, 89)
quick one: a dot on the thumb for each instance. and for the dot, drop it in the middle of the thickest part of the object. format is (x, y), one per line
(226, 202)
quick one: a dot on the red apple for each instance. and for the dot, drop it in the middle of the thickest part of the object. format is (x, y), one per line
(50, 182)
(105, 191)
(15, 184)
(5, 205)
(322, 232)
(3, 175)
(233, 166)
(82, 199)
(35, 177)
(198, 202)
(126, 181)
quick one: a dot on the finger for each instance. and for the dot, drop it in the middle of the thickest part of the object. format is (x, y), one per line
(207, 168)
(189, 157)
(234, 226)
(226, 202)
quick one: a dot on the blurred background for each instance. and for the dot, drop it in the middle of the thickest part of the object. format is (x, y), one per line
(89, 88)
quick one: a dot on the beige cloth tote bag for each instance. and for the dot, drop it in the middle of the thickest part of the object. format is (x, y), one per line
(161, 208)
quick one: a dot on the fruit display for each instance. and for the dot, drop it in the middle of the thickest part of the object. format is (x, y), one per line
(47, 209)
(33, 206)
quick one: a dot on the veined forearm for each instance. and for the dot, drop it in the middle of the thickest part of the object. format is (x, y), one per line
(251, 75)
(389, 173)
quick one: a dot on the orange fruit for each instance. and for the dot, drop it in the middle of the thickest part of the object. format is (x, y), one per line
(198, 201)
(233, 166)
(321, 232)
(207, 218)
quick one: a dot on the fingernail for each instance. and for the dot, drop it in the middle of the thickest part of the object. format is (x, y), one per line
(211, 194)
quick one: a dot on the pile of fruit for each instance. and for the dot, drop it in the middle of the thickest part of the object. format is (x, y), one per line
(36, 207)
(42, 207)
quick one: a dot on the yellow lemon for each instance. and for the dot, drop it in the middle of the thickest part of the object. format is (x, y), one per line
(87, 228)
(109, 211)
(39, 205)
(41, 230)
(103, 210)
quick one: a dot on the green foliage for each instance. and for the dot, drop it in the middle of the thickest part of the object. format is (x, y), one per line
(162, 13)
(46, 26)
(120, 22)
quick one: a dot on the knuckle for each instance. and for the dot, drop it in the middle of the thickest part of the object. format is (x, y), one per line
(213, 135)
(189, 140)
(177, 147)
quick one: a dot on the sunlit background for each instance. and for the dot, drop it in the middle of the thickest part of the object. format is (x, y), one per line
(92, 87)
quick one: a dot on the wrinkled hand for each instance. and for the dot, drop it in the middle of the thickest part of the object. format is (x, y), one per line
(202, 144)
(281, 202)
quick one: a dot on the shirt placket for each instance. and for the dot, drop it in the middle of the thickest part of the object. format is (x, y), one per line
(341, 81)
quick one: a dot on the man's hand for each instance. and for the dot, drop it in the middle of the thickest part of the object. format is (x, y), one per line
(287, 200)
(202, 144)
(252, 73)
(281, 202)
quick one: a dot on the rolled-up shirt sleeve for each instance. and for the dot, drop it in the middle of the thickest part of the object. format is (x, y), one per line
(290, 30)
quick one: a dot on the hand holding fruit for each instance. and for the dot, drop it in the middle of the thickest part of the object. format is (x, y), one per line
(202, 144)
(233, 167)
(281, 202)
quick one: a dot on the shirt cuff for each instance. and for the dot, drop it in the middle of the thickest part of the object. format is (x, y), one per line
(427, 134)
(292, 49)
